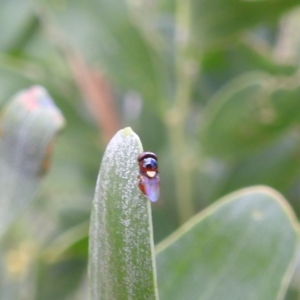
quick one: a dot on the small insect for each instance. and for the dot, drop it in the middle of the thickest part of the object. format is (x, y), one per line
(149, 177)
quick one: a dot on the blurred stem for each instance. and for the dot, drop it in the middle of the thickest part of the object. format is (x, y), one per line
(178, 114)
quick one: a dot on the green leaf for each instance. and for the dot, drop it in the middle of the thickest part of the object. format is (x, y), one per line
(63, 264)
(121, 261)
(248, 113)
(222, 65)
(242, 247)
(280, 166)
(216, 21)
(18, 20)
(30, 123)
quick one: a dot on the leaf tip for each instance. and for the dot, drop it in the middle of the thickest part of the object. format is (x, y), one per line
(127, 131)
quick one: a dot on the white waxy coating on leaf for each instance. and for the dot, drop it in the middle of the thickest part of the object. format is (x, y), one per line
(121, 263)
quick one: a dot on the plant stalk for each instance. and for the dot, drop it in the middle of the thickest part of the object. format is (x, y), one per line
(178, 114)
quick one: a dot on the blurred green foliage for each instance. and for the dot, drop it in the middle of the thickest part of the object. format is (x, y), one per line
(242, 247)
(211, 86)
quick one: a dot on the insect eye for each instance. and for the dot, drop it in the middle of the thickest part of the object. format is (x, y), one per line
(150, 163)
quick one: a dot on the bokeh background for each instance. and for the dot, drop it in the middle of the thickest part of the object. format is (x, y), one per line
(211, 86)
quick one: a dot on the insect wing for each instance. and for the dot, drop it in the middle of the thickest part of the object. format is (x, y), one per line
(152, 187)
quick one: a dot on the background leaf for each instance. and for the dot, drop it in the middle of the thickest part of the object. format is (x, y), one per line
(217, 22)
(250, 112)
(29, 126)
(242, 247)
